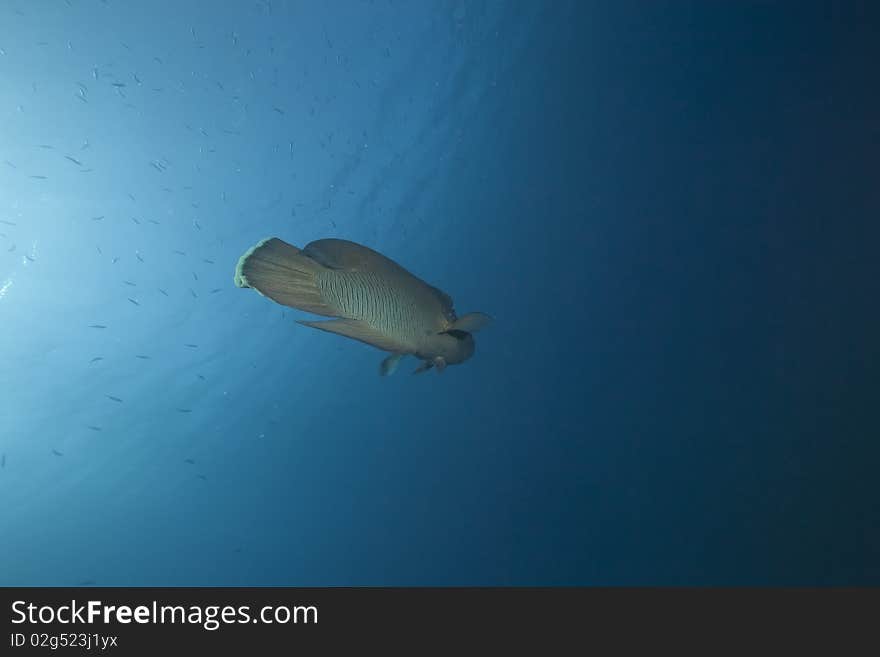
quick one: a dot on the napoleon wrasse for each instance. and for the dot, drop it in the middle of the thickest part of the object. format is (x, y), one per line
(375, 300)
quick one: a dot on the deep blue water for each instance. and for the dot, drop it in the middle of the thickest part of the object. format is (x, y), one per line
(670, 210)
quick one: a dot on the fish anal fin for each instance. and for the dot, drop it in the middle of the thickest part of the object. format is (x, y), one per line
(357, 330)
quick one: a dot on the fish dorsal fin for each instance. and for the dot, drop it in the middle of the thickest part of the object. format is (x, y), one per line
(348, 256)
(445, 299)
(357, 330)
(471, 323)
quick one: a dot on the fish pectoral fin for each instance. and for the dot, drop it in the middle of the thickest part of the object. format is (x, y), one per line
(389, 365)
(357, 330)
(424, 367)
(471, 323)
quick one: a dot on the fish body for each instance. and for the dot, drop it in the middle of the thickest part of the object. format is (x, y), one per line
(374, 299)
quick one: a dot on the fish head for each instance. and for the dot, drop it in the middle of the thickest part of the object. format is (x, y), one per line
(452, 346)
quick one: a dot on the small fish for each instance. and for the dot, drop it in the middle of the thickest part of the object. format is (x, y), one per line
(195, 276)
(134, 219)
(131, 196)
(154, 222)
(7, 223)
(138, 256)
(184, 410)
(48, 147)
(143, 357)
(97, 326)
(197, 224)
(57, 453)
(112, 398)
(162, 291)
(74, 160)
(179, 252)
(136, 78)
(10, 164)
(39, 177)
(279, 110)
(96, 359)
(98, 218)
(133, 301)
(118, 85)
(115, 260)
(192, 292)
(130, 283)
(29, 258)
(216, 290)
(93, 427)
(190, 461)
(11, 249)
(202, 377)
(191, 346)
(210, 262)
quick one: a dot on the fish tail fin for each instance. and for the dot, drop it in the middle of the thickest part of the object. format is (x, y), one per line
(281, 272)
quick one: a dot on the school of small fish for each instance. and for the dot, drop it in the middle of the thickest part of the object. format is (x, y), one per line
(129, 82)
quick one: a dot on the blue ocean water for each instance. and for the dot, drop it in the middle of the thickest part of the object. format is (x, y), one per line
(669, 209)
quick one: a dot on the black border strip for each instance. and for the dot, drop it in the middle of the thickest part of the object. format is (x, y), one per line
(464, 619)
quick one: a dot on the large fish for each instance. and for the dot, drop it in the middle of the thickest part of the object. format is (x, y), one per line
(375, 300)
